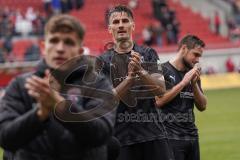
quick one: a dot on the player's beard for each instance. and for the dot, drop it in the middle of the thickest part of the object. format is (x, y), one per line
(123, 39)
(125, 44)
(187, 65)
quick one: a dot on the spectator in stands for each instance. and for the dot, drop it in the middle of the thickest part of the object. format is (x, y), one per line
(56, 6)
(170, 34)
(230, 66)
(38, 24)
(6, 22)
(238, 68)
(236, 7)
(168, 20)
(158, 33)
(7, 43)
(1, 24)
(147, 35)
(133, 4)
(231, 24)
(157, 7)
(47, 6)
(217, 22)
(210, 70)
(30, 14)
(176, 29)
(8, 46)
(22, 25)
(65, 6)
(2, 55)
(2, 92)
(79, 3)
(234, 21)
(15, 23)
(2, 59)
(32, 52)
(165, 16)
(75, 4)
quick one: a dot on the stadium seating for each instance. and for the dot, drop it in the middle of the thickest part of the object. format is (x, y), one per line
(93, 17)
(22, 4)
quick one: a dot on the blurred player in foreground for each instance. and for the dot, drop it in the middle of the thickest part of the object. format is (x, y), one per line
(28, 128)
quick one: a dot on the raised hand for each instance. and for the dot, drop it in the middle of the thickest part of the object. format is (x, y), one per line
(47, 98)
(197, 74)
(192, 75)
(134, 65)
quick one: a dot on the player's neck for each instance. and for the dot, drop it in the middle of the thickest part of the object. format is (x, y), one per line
(123, 47)
(177, 63)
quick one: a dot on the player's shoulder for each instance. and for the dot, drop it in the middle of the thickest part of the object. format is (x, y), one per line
(21, 77)
(165, 64)
(166, 67)
(106, 56)
(17, 83)
(148, 53)
(142, 49)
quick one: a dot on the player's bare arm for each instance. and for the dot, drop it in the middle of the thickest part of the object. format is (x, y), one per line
(154, 79)
(200, 99)
(172, 93)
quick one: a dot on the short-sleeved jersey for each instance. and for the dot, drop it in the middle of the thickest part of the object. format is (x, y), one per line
(177, 115)
(138, 123)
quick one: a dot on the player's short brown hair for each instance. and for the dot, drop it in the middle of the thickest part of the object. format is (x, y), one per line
(119, 8)
(64, 24)
(191, 41)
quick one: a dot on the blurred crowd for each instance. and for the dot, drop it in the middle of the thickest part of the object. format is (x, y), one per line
(166, 29)
(2, 91)
(18, 24)
(61, 6)
(229, 64)
(234, 22)
(14, 25)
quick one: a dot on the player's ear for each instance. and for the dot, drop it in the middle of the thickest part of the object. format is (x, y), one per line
(184, 48)
(81, 50)
(110, 29)
(42, 47)
(133, 26)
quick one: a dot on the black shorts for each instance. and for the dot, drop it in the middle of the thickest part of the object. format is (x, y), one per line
(152, 150)
(185, 149)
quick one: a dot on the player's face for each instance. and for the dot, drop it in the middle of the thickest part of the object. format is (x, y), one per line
(121, 26)
(60, 47)
(192, 56)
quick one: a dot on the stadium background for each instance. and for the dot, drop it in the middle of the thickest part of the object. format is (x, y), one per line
(159, 23)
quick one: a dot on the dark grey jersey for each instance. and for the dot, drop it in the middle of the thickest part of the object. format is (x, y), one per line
(136, 115)
(177, 115)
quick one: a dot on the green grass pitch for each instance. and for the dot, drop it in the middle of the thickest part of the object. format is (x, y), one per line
(219, 126)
